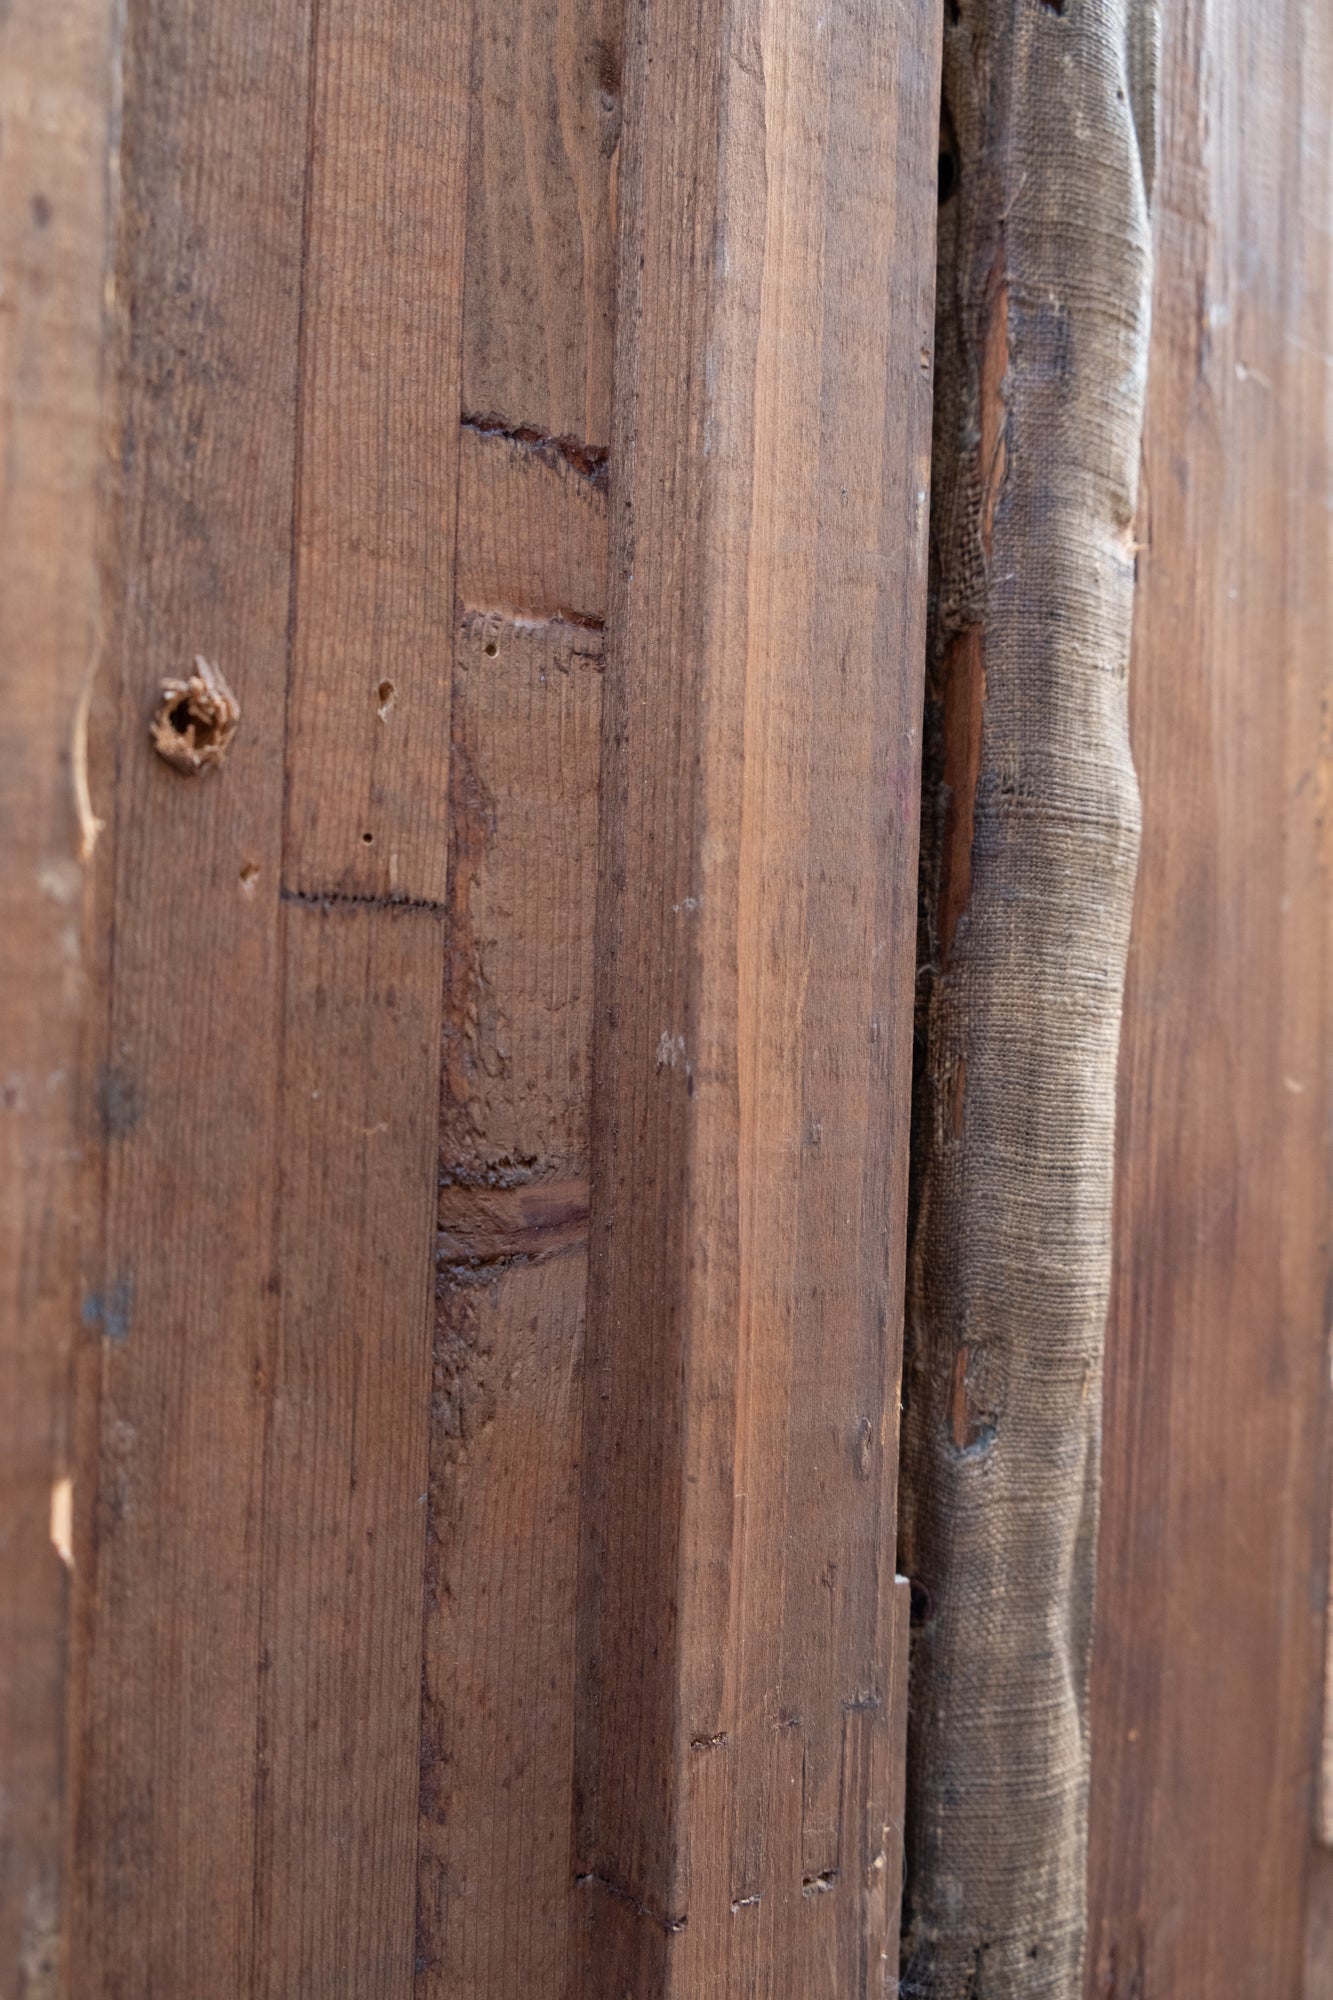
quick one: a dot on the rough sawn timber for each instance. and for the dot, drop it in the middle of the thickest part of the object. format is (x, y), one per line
(1208, 1661)
(769, 492)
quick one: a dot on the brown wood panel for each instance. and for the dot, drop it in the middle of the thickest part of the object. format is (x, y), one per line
(56, 81)
(345, 1472)
(540, 237)
(502, 1561)
(365, 870)
(755, 967)
(1206, 1682)
(180, 1308)
(380, 387)
(258, 1396)
(495, 1872)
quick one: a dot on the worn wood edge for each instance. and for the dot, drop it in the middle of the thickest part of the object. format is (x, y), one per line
(59, 82)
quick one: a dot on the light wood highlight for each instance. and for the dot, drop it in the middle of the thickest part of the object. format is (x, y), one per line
(1207, 1662)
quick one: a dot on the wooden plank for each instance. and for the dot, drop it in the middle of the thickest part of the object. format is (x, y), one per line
(365, 869)
(540, 226)
(181, 1312)
(56, 79)
(345, 1484)
(1206, 1682)
(380, 393)
(262, 1395)
(496, 1806)
(502, 1561)
(755, 969)
(1318, 1983)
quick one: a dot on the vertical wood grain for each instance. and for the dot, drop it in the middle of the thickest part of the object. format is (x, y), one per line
(497, 1750)
(181, 1313)
(345, 1486)
(364, 882)
(1206, 1682)
(540, 237)
(249, 1717)
(495, 1875)
(380, 387)
(752, 1034)
(57, 83)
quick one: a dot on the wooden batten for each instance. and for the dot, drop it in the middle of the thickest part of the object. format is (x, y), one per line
(751, 1040)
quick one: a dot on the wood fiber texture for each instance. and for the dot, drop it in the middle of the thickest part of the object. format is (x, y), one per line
(1030, 833)
(253, 1401)
(1207, 1666)
(57, 87)
(316, 1683)
(495, 1869)
(735, 1795)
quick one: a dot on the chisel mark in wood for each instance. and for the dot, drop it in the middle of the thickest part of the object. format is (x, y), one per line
(622, 1895)
(588, 459)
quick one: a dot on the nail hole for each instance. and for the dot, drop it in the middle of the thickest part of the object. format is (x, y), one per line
(249, 876)
(195, 720)
(387, 695)
(490, 649)
(367, 838)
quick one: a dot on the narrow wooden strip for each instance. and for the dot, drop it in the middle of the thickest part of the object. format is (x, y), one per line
(752, 1027)
(380, 393)
(346, 1469)
(345, 1481)
(496, 1805)
(527, 715)
(499, 1657)
(545, 126)
(499, 1708)
(180, 1314)
(57, 74)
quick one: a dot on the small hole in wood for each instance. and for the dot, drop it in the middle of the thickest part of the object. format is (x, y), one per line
(490, 649)
(367, 838)
(195, 720)
(386, 694)
(249, 876)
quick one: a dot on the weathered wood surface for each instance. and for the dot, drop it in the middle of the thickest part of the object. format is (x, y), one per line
(756, 907)
(1207, 1661)
(249, 1504)
(57, 73)
(498, 1689)
(495, 1872)
(324, 1656)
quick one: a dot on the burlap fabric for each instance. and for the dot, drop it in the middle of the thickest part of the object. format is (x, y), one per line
(1030, 839)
